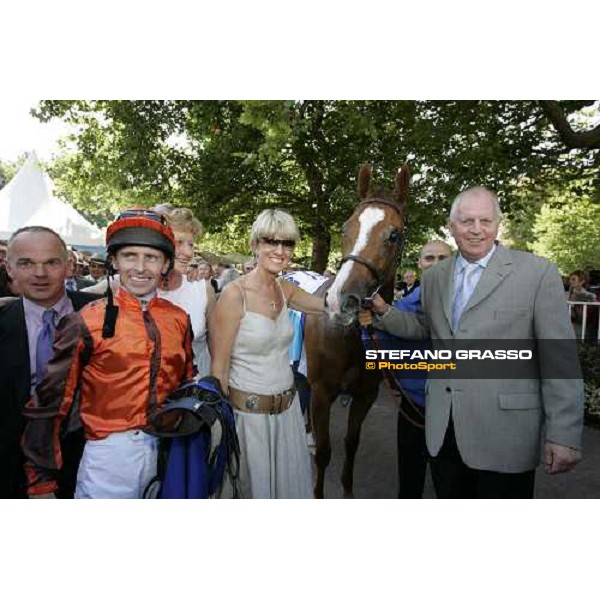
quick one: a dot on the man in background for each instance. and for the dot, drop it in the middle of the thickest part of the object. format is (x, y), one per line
(97, 267)
(73, 281)
(410, 445)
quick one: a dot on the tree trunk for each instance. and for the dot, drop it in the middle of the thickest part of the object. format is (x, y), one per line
(571, 139)
(321, 248)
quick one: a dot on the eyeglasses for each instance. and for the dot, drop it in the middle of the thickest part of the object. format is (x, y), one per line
(273, 243)
(431, 257)
(147, 214)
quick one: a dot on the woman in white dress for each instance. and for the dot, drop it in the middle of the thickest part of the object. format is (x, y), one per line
(250, 358)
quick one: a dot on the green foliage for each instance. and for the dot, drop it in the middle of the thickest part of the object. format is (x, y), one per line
(9, 169)
(570, 238)
(227, 160)
(589, 355)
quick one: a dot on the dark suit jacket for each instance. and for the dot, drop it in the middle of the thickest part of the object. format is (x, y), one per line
(15, 378)
(83, 282)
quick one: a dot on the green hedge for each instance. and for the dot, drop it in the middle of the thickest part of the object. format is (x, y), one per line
(589, 355)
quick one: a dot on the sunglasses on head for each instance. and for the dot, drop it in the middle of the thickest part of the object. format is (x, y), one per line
(273, 243)
(146, 214)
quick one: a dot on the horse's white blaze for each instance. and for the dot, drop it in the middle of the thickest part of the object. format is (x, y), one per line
(368, 219)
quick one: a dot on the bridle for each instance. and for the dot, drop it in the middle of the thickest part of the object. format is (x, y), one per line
(377, 273)
(390, 380)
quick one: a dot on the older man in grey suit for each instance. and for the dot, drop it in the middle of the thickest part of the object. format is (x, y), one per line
(485, 434)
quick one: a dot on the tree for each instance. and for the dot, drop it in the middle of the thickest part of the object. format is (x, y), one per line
(571, 138)
(570, 238)
(8, 170)
(229, 159)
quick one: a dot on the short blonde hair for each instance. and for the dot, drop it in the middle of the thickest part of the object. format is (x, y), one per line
(181, 219)
(273, 223)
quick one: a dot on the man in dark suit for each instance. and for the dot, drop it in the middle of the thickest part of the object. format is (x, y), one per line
(37, 261)
(73, 280)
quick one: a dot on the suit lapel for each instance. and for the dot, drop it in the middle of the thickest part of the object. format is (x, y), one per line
(446, 288)
(494, 274)
(17, 334)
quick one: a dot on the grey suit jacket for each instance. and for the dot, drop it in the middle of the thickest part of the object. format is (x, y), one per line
(498, 422)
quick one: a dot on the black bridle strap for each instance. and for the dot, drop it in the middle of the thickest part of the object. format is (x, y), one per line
(362, 261)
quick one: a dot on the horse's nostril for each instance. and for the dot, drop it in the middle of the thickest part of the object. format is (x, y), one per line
(351, 303)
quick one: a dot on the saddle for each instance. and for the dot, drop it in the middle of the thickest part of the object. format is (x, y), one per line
(199, 444)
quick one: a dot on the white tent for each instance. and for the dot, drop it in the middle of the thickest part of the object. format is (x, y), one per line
(28, 199)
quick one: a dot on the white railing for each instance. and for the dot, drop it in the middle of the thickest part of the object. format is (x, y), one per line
(584, 317)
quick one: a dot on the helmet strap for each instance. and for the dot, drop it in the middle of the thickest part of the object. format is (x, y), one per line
(111, 312)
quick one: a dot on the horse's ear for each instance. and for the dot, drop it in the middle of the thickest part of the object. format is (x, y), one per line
(401, 185)
(364, 180)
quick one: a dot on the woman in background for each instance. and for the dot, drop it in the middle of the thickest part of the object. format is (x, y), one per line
(197, 298)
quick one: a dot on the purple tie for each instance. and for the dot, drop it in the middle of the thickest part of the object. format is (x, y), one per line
(44, 344)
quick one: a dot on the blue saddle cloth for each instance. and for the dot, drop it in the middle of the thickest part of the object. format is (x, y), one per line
(199, 442)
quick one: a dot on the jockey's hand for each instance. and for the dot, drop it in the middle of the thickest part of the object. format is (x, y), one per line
(194, 274)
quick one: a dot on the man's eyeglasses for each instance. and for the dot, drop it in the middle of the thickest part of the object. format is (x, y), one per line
(146, 214)
(431, 257)
(273, 243)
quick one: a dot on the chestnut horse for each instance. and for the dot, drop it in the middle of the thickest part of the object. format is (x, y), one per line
(373, 238)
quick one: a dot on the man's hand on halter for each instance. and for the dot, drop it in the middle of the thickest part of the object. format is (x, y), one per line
(378, 307)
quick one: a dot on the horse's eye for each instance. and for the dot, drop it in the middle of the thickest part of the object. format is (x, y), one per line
(393, 239)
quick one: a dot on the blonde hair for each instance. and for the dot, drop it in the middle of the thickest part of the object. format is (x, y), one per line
(273, 223)
(181, 219)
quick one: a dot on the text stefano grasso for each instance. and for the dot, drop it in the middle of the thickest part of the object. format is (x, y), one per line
(496, 354)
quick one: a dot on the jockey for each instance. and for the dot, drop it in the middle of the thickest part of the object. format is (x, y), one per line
(114, 361)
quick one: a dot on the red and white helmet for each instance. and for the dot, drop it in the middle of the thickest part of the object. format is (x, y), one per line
(141, 227)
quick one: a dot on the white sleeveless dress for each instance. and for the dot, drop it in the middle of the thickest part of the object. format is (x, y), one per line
(191, 296)
(275, 461)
